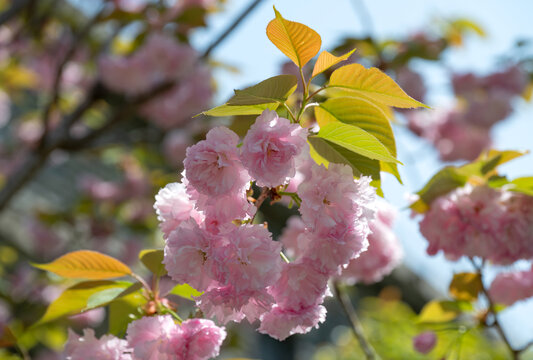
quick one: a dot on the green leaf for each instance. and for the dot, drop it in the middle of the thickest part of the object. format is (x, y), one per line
(356, 140)
(439, 311)
(466, 286)
(232, 110)
(153, 260)
(372, 83)
(523, 185)
(361, 112)
(185, 291)
(86, 264)
(330, 152)
(74, 300)
(480, 171)
(326, 60)
(273, 90)
(123, 311)
(104, 297)
(297, 41)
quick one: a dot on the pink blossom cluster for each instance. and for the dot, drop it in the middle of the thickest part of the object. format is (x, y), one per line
(494, 224)
(508, 288)
(384, 250)
(425, 342)
(159, 60)
(463, 132)
(212, 245)
(150, 338)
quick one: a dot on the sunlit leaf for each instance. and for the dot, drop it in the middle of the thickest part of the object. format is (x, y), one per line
(297, 41)
(466, 286)
(360, 112)
(326, 60)
(439, 311)
(74, 299)
(232, 110)
(357, 140)
(104, 297)
(123, 311)
(86, 264)
(372, 83)
(273, 90)
(153, 260)
(185, 291)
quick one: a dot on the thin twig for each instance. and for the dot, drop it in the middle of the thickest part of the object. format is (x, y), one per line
(364, 17)
(59, 73)
(230, 28)
(262, 197)
(347, 306)
(496, 324)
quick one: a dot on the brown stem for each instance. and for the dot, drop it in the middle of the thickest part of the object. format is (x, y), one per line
(496, 324)
(262, 197)
(348, 308)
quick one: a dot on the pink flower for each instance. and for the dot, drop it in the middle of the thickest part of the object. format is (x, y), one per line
(411, 82)
(222, 210)
(331, 196)
(294, 237)
(226, 304)
(269, 149)
(494, 224)
(159, 338)
(151, 337)
(202, 339)
(88, 347)
(213, 167)
(173, 206)
(300, 286)
(188, 255)
(281, 323)
(508, 288)
(425, 342)
(384, 252)
(250, 260)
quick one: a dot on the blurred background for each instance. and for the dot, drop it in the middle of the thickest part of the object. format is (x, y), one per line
(96, 106)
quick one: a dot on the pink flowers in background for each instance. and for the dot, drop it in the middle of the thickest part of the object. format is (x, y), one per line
(494, 224)
(384, 250)
(151, 338)
(508, 288)
(211, 244)
(463, 132)
(161, 59)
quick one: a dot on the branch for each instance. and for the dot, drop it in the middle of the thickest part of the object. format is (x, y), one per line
(59, 73)
(347, 306)
(496, 324)
(230, 28)
(17, 7)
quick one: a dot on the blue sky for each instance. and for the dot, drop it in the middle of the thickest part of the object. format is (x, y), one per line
(505, 22)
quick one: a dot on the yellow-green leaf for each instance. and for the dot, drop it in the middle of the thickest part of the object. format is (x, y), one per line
(357, 140)
(86, 264)
(439, 311)
(232, 110)
(272, 90)
(326, 60)
(360, 112)
(74, 300)
(466, 286)
(185, 291)
(297, 41)
(153, 260)
(372, 83)
(123, 311)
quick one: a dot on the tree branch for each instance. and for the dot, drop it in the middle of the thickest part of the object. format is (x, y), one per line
(347, 306)
(230, 28)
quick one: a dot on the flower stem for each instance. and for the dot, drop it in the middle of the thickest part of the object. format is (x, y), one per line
(347, 306)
